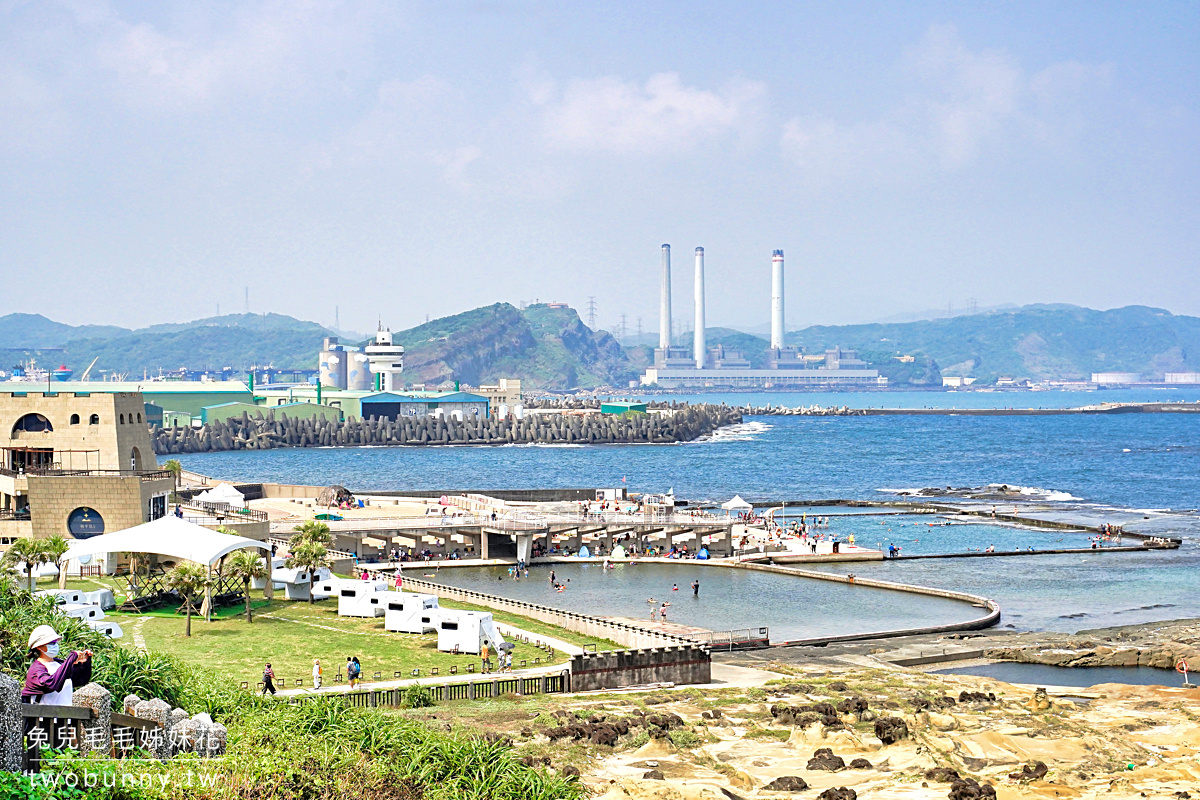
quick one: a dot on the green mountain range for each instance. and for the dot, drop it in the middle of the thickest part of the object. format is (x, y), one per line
(1034, 342)
(232, 340)
(548, 346)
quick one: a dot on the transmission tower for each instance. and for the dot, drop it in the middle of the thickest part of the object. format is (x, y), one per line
(639, 330)
(624, 336)
(247, 299)
(592, 312)
(974, 305)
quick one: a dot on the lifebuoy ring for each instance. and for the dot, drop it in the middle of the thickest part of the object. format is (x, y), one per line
(1181, 666)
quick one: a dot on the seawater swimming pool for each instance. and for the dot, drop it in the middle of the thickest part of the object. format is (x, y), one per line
(793, 607)
(922, 534)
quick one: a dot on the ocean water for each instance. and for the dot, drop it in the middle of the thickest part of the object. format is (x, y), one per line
(793, 608)
(1045, 675)
(1101, 466)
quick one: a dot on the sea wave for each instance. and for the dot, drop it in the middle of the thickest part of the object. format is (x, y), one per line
(742, 432)
(1037, 492)
(553, 445)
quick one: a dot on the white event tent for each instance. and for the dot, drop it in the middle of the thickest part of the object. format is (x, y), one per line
(736, 504)
(222, 493)
(165, 536)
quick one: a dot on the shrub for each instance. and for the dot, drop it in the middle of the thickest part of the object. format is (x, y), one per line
(416, 696)
(147, 674)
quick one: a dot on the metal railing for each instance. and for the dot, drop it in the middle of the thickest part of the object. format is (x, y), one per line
(471, 689)
(227, 510)
(515, 522)
(146, 475)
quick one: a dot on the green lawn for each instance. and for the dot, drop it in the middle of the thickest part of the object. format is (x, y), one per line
(291, 634)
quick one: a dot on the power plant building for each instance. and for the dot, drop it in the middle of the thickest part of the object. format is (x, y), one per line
(705, 367)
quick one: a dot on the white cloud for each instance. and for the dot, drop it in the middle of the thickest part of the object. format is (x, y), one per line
(960, 102)
(610, 114)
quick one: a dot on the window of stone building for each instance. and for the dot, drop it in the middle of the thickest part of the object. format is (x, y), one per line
(122, 419)
(94, 419)
(139, 417)
(74, 419)
(32, 423)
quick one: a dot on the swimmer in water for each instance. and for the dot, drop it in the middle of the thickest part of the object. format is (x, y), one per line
(674, 587)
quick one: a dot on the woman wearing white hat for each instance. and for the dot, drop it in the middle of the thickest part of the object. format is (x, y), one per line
(52, 680)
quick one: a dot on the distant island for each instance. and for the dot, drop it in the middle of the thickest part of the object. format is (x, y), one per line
(549, 347)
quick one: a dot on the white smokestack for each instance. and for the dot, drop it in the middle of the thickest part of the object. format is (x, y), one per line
(664, 308)
(698, 342)
(777, 300)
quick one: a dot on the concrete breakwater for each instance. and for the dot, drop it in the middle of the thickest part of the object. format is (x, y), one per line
(801, 411)
(266, 430)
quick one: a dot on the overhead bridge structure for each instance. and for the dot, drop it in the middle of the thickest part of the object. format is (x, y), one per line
(521, 536)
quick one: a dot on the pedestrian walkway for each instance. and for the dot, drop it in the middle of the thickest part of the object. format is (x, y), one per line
(435, 680)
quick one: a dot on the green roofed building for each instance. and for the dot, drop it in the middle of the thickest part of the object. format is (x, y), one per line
(621, 407)
(227, 411)
(188, 396)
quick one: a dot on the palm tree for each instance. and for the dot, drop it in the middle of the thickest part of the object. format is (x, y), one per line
(310, 556)
(30, 551)
(176, 469)
(189, 579)
(55, 547)
(247, 565)
(313, 531)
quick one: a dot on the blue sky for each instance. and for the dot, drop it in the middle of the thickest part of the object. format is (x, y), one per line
(402, 160)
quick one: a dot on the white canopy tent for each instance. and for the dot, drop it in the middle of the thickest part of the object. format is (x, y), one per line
(223, 493)
(165, 536)
(736, 504)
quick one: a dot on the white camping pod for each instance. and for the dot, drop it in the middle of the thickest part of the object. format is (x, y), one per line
(101, 597)
(277, 563)
(409, 612)
(295, 582)
(110, 629)
(329, 587)
(465, 631)
(84, 611)
(354, 598)
(61, 596)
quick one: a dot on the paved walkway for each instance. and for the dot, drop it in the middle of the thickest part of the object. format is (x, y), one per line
(435, 680)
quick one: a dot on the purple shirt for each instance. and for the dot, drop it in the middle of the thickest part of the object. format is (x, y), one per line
(39, 681)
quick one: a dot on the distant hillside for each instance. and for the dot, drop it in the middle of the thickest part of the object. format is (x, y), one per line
(33, 331)
(1034, 342)
(233, 340)
(548, 348)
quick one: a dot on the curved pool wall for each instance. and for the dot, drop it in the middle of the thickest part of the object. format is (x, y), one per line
(1080, 677)
(826, 608)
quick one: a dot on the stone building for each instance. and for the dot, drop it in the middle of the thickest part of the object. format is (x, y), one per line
(76, 463)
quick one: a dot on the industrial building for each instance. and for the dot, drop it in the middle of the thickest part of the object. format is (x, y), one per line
(376, 367)
(393, 406)
(77, 464)
(704, 367)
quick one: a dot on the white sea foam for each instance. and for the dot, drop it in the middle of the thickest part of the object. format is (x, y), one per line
(742, 432)
(1052, 495)
(556, 445)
